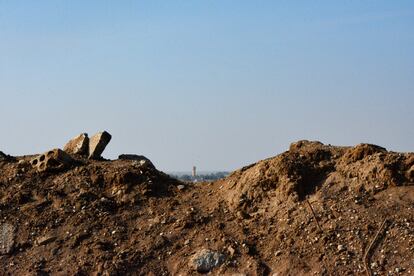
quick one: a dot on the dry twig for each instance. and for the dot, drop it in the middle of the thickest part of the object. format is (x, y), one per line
(366, 255)
(314, 216)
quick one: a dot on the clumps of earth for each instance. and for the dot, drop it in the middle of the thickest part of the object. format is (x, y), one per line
(313, 210)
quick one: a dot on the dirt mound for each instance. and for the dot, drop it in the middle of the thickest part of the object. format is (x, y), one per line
(307, 166)
(314, 209)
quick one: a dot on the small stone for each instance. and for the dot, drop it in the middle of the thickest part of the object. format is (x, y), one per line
(98, 143)
(205, 260)
(231, 250)
(7, 235)
(278, 253)
(78, 145)
(46, 239)
(180, 187)
(187, 242)
(341, 247)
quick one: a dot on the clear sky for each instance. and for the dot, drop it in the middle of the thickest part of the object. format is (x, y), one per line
(217, 84)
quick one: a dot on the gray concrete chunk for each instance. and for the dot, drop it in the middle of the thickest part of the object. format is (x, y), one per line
(97, 144)
(78, 145)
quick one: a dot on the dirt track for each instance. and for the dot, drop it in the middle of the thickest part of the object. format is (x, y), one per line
(122, 218)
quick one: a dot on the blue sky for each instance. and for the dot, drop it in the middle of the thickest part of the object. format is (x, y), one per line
(217, 84)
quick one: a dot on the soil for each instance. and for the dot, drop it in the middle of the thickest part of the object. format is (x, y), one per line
(313, 210)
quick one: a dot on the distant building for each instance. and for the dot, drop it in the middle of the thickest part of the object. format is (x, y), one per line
(194, 171)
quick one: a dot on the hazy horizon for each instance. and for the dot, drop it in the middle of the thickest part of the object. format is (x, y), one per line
(216, 84)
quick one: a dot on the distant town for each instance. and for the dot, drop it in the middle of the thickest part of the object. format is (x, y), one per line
(201, 176)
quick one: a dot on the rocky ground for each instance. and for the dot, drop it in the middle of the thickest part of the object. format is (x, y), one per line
(313, 210)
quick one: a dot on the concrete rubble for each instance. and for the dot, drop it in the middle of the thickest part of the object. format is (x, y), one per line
(92, 147)
(52, 160)
(97, 144)
(78, 145)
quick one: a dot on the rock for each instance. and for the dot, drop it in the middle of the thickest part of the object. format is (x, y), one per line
(231, 250)
(180, 187)
(5, 157)
(410, 173)
(205, 260)
(97, 144)
(53, 160)
(6, 238)
(45, 239)
(142, 161)
(78, 145)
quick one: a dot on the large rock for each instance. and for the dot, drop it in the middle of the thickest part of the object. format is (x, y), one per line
(206, 260)
(140, 159)
(78, 145)
(52, 160)
(97, 144)
(6, 238)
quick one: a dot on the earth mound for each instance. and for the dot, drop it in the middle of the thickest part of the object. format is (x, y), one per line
(313, 210)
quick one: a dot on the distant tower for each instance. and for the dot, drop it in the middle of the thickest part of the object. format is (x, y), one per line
(194, 171)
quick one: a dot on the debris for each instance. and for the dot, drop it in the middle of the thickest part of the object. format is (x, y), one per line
(7, 236)
(142, 160)
(371, 244)
(46, 239)
(97, 144)
(78, 145)
(124, 217)
(231, 251)
(206, 260)
(314, 216)
(52, 160)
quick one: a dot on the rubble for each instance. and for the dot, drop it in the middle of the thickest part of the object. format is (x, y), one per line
(313, 210)
(78, 145)
(97, 144)
(140, 159)
(52, 160)
(7, 236)
(206, 260)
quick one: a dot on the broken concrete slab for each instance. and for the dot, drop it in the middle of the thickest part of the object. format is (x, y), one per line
(98, 143)
(140, 159)
(78, 145)
(7, 235)
(52, 160)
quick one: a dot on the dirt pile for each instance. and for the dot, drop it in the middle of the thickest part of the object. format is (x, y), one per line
(314, 209)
